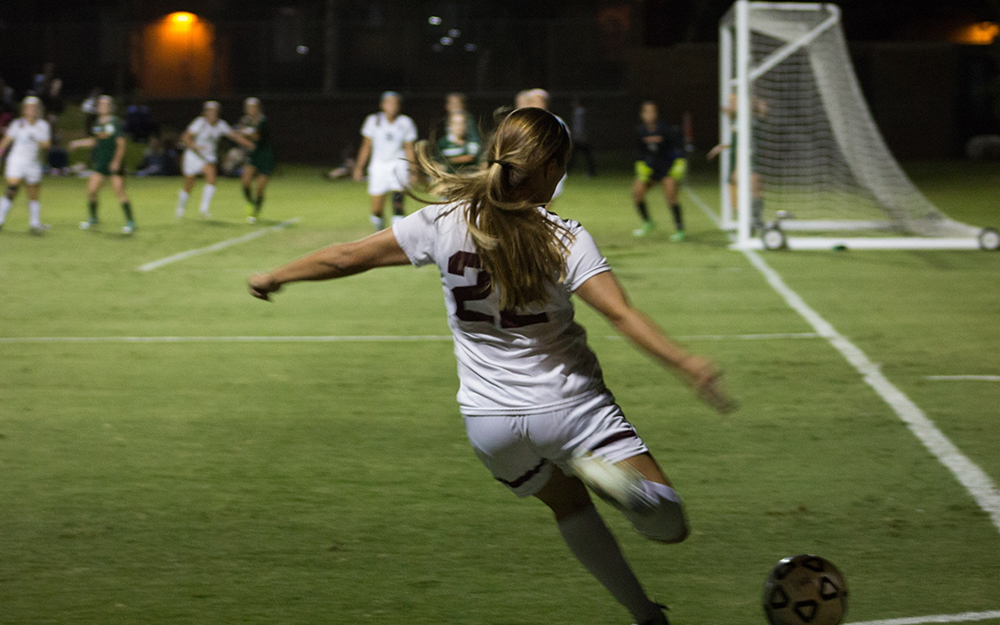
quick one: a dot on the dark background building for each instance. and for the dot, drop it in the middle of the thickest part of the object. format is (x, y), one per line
(319, 63)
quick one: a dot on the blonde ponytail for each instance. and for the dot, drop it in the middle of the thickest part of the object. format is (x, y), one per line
(523, 251)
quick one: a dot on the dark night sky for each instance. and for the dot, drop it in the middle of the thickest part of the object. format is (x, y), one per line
(666, 21)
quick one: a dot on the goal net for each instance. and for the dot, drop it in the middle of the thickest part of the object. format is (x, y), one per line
(803, 145)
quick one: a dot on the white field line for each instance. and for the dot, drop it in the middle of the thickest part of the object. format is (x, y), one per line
(974, 479)
(343, 338)
(964, 617)
(156, 264)
(980, 378)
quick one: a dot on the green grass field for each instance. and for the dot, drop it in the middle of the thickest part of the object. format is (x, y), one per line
(331, 482)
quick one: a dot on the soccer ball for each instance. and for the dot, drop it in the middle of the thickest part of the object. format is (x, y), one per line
(805, 589)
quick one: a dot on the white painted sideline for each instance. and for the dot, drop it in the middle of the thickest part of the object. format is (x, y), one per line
(964, 617)
(980, 378)
(156, 264)
(974, 479)
(342, 338)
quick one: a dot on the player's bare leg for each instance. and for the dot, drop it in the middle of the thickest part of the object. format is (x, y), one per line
(94, 184)
(118, 187)
(590, 540)
(183, 194)
(262, 182)
(211, 175)
(34, 192)
(246, 180)
(639, 191)
(7, 200)
(378, 206)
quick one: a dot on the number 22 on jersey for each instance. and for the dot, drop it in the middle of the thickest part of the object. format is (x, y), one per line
(458, 264)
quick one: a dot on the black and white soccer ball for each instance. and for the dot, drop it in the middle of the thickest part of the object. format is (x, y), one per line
(805, 589)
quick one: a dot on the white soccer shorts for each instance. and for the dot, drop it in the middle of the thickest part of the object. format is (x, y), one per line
(194, 164)
(386, 177)
(522, 451)
(28, 171)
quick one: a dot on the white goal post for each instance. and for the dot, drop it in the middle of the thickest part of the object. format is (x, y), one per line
(801, 146)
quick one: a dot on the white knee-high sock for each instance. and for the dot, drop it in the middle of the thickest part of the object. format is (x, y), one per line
(595, 547)
(206, 198)
(34, 213)
(182, 198)
(5, 205)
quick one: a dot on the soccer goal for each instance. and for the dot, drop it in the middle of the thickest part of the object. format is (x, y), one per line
(801, 150)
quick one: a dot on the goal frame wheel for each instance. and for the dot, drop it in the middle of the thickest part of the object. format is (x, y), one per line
(773, 238)
(989, 239)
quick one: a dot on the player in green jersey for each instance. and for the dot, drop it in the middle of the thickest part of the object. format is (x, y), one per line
(457, 148)
(107, 143)
(260, 165)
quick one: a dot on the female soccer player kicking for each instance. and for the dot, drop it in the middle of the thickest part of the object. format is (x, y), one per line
(388, 138)
(260, 161)
(108, 150)
(660, 157)
(532, 394)
(27, 137)
(202, 141)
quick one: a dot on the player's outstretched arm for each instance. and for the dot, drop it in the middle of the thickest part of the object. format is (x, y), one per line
(88, 142)
(363, 153)
(605, 295)
(335, 261)
(236, 137)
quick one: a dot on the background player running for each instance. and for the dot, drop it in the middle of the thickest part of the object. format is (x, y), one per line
(108, 144)
(532, 394)
(387, 137)
(660, 158)
(255, 127)
(201, 156)
(27, 136)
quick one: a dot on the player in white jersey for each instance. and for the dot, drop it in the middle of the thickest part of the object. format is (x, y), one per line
(201, 156)
(27, 136)
(532, 395)
(387, 137)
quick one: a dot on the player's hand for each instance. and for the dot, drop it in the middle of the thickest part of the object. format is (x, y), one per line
(357, 174)
(706, 379)
(713, 152)
(261, 286)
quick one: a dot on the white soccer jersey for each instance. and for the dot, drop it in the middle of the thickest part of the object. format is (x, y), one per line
(388, 138)
(206, 136)
(509, 363)
(25, 139)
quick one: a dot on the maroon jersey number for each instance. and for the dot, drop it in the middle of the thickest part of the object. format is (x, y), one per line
(457, 265)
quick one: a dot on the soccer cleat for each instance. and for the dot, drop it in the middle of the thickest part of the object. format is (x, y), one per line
(87, 225)
(678, 236)
(128, 228)
(206, 215)
(251, 219)
(618, 484)
(646, 228)
(180, 213)
(39, 228)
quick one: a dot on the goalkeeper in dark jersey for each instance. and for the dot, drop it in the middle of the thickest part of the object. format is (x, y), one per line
(660, 157)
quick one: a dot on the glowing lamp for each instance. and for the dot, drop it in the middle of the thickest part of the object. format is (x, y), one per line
(182, 17)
